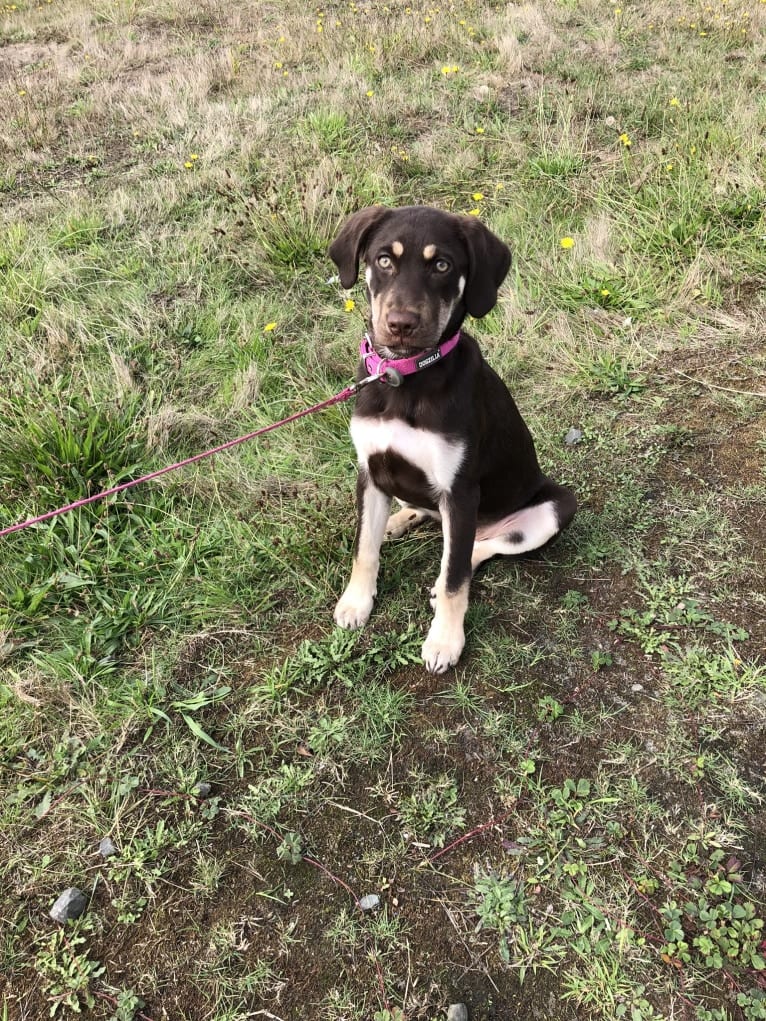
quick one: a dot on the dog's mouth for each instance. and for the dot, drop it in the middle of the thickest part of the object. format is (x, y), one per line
(391, 346)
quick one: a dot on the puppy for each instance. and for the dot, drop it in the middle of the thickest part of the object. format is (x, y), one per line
(439, 431)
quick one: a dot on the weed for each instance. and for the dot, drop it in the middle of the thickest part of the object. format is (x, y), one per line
(432, 811)
(67, 971)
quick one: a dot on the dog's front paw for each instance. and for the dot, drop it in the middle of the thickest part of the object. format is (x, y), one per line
(442, 649)
(353, 609)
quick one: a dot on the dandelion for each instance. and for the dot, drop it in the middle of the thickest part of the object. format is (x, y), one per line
(567, 243)
(605, 292)
(188, 165)
(269, 327)
(370, 93)
(625, 139)
(22, 92)
(349, 305)
(477, 196)
(473, 212)
(194, 157)
(674, 101)
(480, 130)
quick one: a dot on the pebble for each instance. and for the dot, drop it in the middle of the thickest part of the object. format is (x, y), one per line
(106, 848)
(573, 436)
(69, 905)
(201, 789)
(457, 1012)
(370, 902)
(636, 687)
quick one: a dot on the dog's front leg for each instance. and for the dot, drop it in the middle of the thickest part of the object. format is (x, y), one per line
(446, 636)
(355, 605)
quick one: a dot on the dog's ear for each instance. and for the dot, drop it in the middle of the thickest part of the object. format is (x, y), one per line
(347, 247)
(489, 259)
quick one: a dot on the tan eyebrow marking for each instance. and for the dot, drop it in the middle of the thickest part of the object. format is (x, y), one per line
(429, 251)
(398, 249)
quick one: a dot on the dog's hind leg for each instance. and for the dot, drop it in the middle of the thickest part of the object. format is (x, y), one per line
(527, 529)
(408, 517)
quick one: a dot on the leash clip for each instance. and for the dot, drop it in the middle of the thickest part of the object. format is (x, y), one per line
(392, 376)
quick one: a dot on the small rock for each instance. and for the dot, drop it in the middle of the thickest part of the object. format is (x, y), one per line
(636, 687)
(370, 902)
(202, 789)
(457, 1012)
(70, 905)
(572, 437)
(106, 848)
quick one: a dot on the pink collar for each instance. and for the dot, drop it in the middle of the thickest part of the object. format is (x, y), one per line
(394, 369)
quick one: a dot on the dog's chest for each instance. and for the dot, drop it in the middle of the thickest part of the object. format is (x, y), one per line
(397, 454)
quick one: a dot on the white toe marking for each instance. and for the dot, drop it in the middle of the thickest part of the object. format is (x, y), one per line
(446, 637)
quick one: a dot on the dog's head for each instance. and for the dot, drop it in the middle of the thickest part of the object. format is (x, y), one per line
(425, 270)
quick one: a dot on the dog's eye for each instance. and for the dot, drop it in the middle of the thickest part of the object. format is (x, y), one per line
(384, 261)
(442, 266)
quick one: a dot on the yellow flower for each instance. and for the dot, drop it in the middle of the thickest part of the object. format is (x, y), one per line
(567, 242)
(477, 196)
(350, 305)
(674, 102)
(194, 157)
(605, 292)
(188, 164)
(370, 93)
(480, 131)
(269, 327)
(625, 139)
(473, 212)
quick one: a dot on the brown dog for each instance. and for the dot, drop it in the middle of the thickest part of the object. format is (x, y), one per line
(448, 442)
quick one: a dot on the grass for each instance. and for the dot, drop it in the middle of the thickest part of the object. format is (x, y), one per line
(575, 816)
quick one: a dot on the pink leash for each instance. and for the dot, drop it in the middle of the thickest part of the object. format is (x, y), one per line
(379, 368)
(344, 395)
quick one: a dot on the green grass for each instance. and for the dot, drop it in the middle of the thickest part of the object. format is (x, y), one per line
(574, 816)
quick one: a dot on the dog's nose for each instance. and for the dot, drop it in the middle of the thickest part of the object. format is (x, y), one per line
(402, 323)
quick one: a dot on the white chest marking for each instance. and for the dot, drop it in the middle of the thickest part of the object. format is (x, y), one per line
(437, 457)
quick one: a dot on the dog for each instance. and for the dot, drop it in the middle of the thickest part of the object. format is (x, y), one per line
(438, 430)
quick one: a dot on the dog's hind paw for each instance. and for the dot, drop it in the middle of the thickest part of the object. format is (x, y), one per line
(440, 651)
